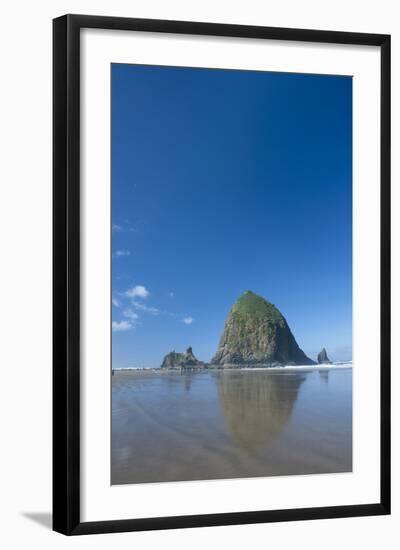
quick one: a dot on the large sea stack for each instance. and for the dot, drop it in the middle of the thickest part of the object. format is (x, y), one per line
(257, 334)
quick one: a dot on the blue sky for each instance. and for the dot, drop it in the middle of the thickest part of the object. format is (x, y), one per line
(224, 181)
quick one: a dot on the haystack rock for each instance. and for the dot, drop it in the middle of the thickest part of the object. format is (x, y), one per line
(323, 357)
(174, 360)
(257, 334)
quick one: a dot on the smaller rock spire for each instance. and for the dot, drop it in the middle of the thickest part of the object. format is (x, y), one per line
(323, 357)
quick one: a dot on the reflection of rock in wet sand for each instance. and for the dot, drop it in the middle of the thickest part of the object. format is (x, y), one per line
(324, 375)
(257, 406)
(187, 381)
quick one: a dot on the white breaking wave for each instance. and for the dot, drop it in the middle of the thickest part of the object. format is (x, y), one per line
(335, 365)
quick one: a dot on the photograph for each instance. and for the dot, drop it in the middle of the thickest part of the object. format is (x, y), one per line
(231, 274)
(198, 212)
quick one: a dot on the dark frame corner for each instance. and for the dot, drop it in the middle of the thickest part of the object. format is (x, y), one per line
(66, 268)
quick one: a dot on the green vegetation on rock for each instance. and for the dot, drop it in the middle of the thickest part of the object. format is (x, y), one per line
(256, 306)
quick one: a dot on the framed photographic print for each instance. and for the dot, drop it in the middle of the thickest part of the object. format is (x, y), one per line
(221, 274)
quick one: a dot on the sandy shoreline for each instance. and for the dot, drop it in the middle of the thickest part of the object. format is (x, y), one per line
(296, 368)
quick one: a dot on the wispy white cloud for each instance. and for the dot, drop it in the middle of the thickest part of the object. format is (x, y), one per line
(138, 291)
(121, 253)
(118, 326)
(117, 228)
(188, 320)
(130, 314)
(137, 295)
(142, 307)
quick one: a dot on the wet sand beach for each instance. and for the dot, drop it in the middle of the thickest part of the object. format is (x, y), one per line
(171, 426)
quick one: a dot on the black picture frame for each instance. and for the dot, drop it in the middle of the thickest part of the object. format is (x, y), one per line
(66, 273)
